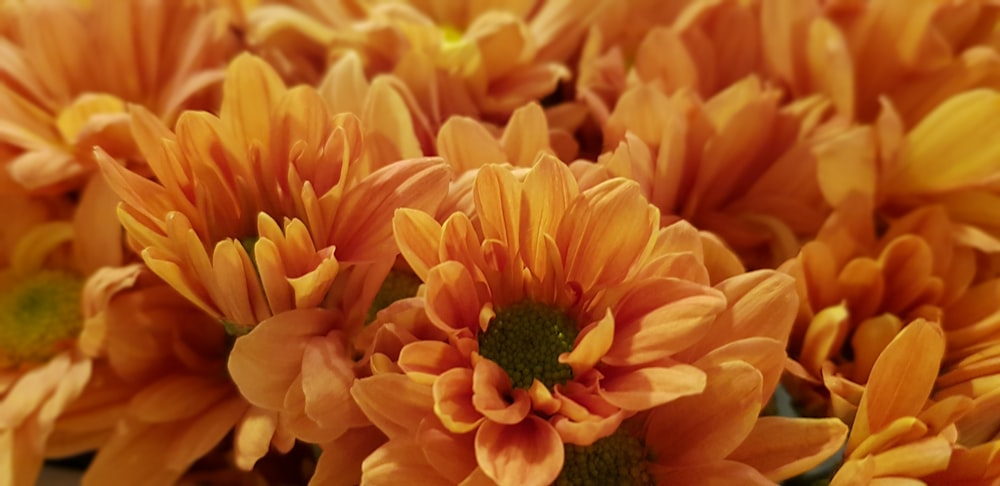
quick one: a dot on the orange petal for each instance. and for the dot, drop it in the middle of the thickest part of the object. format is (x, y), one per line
(424, 361)
(394, 403)
(452, 302)
(493, 396)
(548, 190)
(264, 362)
(362, 226)
(591, 345)
(250, 90)
(707, 427)
(418, 236)
(327, 376)
(783, 447)
(400, 458)
(902, 378)
(528, 453)
(645, 388)
(716, 473)
(453, 394)
(661, 317)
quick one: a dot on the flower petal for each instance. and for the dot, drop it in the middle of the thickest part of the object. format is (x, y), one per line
(782, 447)
(528, 453)
(646, 388)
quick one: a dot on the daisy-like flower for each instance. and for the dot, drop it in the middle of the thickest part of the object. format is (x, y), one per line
(899, 433)
(256, 209)
(725, 164)
(50, 306)
(58, 100)
(565, 312)
(481, 60)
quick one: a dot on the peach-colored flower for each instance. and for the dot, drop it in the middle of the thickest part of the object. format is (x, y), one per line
(899, 433)
(210, 225)
(739, 164)
(175, 403)
(59, 97)
(857, 291)
(482, 60)
(555, 309)
(50, 304)
(853, 53)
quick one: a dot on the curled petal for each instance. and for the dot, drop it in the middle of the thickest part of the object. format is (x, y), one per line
(453, 401)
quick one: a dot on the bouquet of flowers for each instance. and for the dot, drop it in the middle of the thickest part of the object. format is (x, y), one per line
(514, 242)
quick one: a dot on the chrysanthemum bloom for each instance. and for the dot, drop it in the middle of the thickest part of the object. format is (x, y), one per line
(58, 99)
(480, 60)
(174, 400)
(566, 312)
(49, 305)
(738, 164)
(916, 56)
(256, 209)
(858, 291)
(899, 433)
(853, 53)
(699, 45)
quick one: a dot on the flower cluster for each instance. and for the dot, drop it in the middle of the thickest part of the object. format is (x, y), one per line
(512, 242)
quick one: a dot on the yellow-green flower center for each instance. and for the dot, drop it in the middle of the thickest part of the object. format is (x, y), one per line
(38, 315)
(452, 35)
(619, 459)
(526, 340)
(397, 286)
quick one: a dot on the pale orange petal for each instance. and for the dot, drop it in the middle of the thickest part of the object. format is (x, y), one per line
(528, 453)
(453, 401)
(783, 447)
(494, 397)
(393, 402)
(709, 426)
(264, 362)
(648, 387)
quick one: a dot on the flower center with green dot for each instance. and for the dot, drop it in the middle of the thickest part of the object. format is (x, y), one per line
(38, 315)
(619, 459)
(526, 339)
(398, 285)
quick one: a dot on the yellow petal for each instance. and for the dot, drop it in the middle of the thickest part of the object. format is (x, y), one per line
(971, 117)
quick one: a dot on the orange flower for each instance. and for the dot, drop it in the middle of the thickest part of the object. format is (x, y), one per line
(483, 60)
(50, 306)
(176, 401)
(210, 227)
(58, 99)
(853, 53)
(738, 164)
(859, 291)
(554, 308)
(899, 433)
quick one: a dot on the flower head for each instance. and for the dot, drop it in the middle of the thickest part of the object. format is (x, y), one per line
(59, 99)
(267, 194)
(543, 346)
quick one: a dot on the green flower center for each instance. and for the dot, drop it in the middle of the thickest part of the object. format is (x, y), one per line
(526, 340)
(38, 315)
(619, 459)
(397, 286)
